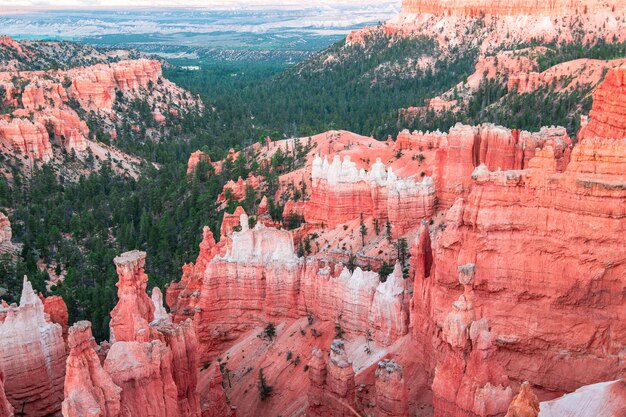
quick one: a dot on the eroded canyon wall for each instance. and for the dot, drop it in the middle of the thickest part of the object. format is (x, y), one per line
(510, 8)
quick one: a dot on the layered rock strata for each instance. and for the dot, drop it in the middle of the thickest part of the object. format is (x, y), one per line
(32, 355)
(341, 193)
(134, 311)
(332, 388)
(26, 138)
(181, 340)
(608, 113)
(539, 212)
(257, 276)
(6, 409)
(89, 390)
(463, 148)
(182, 296)
(509, 8)
(143, 371)
(491, 26)
(48, 104)
(151, 359)
(391, 393)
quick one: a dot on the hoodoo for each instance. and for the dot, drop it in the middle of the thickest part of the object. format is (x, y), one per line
(151, 359)
(89, 390)
(332, 391)
(391, 394)
(32, 355)
(474, 271)
(134, 311)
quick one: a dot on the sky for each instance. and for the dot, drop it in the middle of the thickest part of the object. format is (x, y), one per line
(13, 4)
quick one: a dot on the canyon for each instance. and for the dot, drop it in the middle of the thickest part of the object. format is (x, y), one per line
(149, 365)
(509, 41)
(495, 284)
(47, 110)
(477, 272)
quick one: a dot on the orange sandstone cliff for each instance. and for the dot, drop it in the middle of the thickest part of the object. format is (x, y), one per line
(521, 249)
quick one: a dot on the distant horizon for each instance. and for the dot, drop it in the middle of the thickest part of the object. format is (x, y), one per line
(188, 32)
(17, 6)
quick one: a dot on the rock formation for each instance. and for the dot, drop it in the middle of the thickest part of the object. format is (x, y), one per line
(391, 393)
(237, 190)
(89, 390)
(182, 297)
(494, 25)
(216, 403)
(194, 159)
(464, 148)
(521, 249)
(263, 206)
(49, 108)
(507, 216)
(95, 89)
(134, 311)
(609, 108)
(510, 8)
(563, 77)
(257, 275)
(152, 359)
(160, 313)
(55, 308)
(468, 380)
(254, 274)
(25, 138)
(317, 382)
(65, 127)
(181, 340)
(536, 211)
(340, 193)
(143, 370)
(6, 234)
(6, 409)
(508, 193)
(601, 399)
(230, 222)
(332, 389)
(32, 355)
(525, 404)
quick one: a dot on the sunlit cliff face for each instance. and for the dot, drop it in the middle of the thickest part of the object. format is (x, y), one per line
(514, 7)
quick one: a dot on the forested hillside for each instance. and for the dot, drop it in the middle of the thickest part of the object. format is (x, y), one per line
(80, 226)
